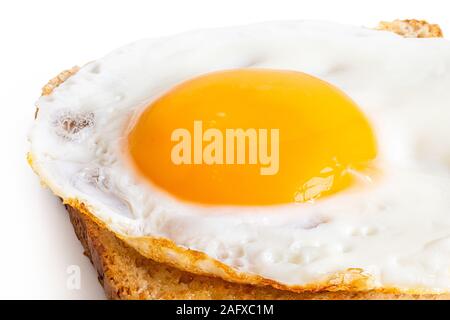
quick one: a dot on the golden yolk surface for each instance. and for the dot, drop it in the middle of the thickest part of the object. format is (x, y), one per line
(299, 137)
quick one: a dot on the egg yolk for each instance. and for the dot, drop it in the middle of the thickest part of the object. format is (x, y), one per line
(251, 137)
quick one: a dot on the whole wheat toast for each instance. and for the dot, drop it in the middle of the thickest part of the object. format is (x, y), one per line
(126, 274)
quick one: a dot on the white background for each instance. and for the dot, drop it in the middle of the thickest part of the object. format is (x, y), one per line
(38, 39)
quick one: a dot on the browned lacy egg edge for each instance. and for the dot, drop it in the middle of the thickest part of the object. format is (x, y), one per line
(161, 250)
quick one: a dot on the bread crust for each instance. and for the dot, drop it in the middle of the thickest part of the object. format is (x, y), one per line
(56, 81)
(126, 274)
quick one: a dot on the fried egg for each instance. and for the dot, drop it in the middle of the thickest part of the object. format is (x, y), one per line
(348, 185)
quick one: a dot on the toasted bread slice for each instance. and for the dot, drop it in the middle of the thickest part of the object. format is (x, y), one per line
(126, 274)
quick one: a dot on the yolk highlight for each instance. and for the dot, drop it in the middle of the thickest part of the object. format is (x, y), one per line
(322, 134)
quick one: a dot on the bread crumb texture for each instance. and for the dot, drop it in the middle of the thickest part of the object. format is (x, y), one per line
(412, 28)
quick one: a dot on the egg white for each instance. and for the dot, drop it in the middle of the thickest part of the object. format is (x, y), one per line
(396, 228)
